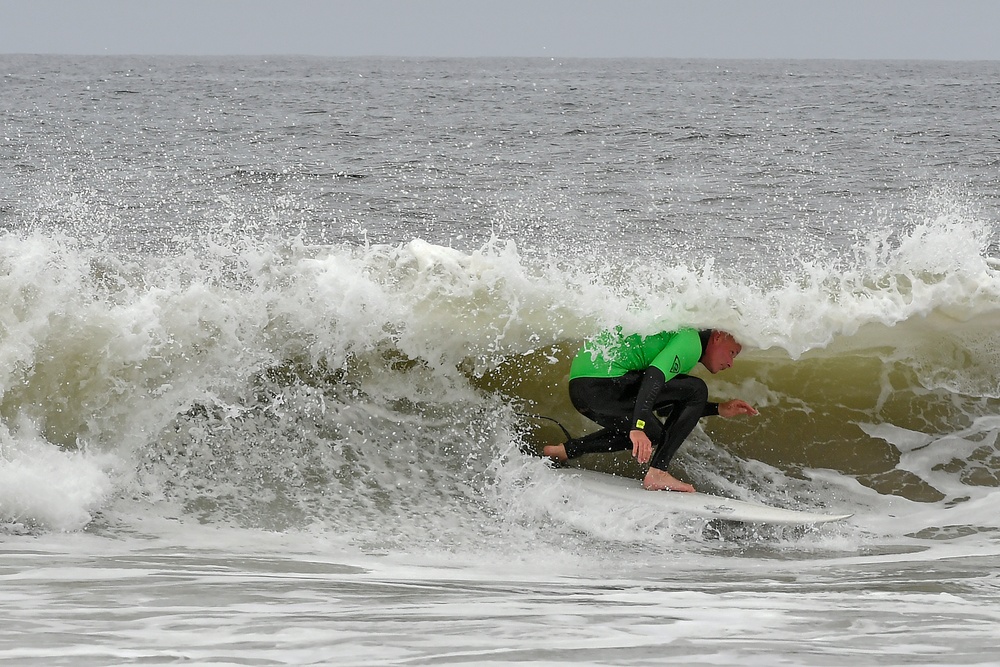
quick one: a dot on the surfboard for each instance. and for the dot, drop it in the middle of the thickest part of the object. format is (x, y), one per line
(630, 492)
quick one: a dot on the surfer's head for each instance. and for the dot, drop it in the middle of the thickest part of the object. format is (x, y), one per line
(720, 351)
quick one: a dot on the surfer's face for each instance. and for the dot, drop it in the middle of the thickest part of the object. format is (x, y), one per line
(721, 351)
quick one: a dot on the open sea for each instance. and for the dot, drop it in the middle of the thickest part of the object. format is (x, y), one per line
(273, 332)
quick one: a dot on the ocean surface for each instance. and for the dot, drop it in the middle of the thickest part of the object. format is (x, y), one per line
(274, 332)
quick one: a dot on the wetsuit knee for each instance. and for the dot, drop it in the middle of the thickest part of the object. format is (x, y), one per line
(690, 395)
(699, 390)
(685, 389)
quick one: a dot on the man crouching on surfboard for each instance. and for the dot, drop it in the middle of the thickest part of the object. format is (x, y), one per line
(620, 381)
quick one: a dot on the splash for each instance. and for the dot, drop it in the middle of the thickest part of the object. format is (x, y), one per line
(43, 487)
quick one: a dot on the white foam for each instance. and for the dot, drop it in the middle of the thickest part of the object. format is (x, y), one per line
(43, 486)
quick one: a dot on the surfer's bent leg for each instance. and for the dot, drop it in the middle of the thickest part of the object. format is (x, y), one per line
(605, 440)
(688, 397)
(608, 402)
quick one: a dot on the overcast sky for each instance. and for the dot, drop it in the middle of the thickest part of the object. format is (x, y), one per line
(900, 29)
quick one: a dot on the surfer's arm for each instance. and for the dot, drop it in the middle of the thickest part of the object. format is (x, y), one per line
(643, 418)
(678, 356)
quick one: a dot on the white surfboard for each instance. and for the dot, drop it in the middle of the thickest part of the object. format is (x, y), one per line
(698, 504)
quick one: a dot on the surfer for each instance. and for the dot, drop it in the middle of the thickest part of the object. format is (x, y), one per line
(622, 382)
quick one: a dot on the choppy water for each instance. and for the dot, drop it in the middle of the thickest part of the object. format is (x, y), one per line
(268, 328)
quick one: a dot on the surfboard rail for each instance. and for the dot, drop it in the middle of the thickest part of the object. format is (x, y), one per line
(697, 504)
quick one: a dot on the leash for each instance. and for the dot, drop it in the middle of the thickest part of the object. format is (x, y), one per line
(556, 422)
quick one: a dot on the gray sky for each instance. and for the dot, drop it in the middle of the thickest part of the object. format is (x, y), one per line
(904, 29)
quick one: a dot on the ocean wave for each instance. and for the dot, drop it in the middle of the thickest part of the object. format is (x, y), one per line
(271, 382)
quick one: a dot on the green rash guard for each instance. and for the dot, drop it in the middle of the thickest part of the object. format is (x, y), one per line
(612, 355)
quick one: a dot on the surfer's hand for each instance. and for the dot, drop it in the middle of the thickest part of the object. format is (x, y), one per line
(642, 447)
(736, 407)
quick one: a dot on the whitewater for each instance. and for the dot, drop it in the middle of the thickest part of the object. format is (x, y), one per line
(275, 333)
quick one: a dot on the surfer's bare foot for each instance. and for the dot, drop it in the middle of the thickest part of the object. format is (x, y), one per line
(661, 480)
(555, 452)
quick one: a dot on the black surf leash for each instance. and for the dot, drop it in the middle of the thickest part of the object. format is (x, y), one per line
(562, 428)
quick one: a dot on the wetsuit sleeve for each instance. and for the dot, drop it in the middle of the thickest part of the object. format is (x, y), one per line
(643, 417)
